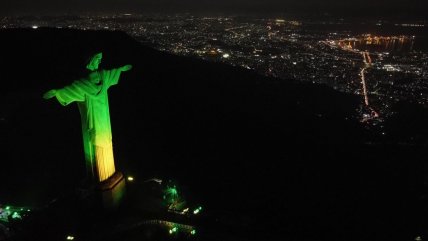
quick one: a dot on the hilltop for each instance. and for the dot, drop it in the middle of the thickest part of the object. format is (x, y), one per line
(281, 155)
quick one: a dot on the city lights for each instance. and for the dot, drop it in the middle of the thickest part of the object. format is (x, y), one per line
(282, 48)
(325, 88)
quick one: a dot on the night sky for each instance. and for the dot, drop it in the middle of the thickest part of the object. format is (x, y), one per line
(361, 7)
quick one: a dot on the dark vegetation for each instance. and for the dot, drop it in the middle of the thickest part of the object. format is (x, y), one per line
(270, 159)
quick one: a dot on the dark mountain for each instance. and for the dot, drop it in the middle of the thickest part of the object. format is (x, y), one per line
(269, 158)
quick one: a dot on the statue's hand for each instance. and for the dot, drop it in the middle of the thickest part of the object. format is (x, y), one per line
(49, 94)
(126, 67)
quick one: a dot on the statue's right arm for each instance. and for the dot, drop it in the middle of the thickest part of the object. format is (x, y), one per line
(49, 94)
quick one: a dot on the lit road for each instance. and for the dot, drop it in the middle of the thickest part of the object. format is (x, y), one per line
(367, 64)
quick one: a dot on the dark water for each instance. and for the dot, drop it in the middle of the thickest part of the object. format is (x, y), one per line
(396, 45)
(384, 44)
(388, 29)
(421, 43)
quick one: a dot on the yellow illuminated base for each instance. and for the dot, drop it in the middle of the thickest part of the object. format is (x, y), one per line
(112, 190)
(105, 161)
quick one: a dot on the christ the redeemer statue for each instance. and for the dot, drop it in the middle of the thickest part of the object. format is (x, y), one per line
(91, 96)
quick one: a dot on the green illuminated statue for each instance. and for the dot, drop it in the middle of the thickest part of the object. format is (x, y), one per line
(91, 96)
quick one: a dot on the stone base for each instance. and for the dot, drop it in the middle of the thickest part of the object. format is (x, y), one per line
(112, 190)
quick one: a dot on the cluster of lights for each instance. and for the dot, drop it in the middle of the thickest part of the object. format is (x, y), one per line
(69, 237)
(198, 210)
(175, 230)
(16, 215)
(14, 212)
(185, 211)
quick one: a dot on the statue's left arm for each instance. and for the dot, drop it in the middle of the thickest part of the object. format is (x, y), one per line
(111, 77)
(126, 67)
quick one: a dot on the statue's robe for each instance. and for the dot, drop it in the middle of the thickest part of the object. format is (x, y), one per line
(92, 100)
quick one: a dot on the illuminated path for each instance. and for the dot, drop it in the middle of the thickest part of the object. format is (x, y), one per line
(367, 64)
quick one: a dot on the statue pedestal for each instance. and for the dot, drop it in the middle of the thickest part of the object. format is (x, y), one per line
(112, 190)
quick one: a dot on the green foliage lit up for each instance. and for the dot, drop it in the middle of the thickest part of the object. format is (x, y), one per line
(13, 213)
(90, 93)
(171, 194)
(16, 215)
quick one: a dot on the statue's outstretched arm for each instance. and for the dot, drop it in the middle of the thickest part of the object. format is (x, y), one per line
(68, 94)
(126, 67)
(49, 94)
(111, 77)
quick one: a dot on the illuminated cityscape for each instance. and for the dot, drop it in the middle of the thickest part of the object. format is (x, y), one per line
(380, 68)
(240, 126)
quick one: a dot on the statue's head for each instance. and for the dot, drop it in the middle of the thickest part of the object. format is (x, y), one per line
(94, 77)
(94, 62)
